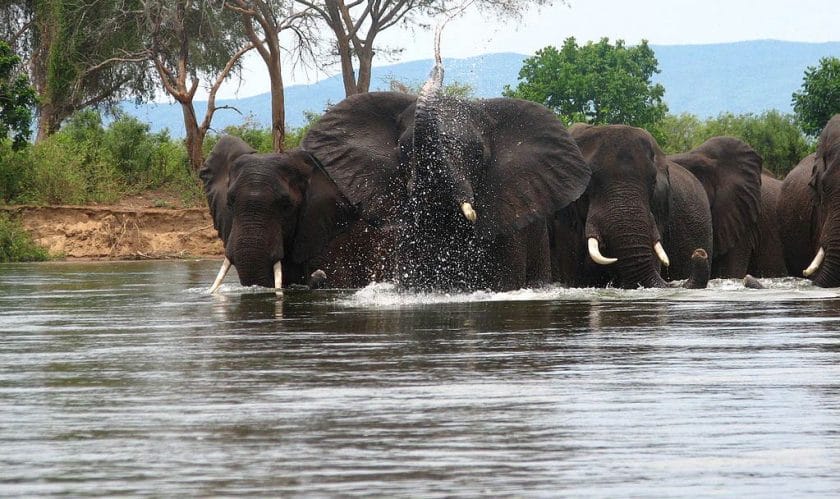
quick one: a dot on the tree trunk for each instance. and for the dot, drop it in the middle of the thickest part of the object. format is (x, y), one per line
(365, 67)
(48, 121)
(194, 138)
(278, 102)
(348, 74)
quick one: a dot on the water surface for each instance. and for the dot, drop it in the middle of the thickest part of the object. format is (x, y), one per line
(129, 379)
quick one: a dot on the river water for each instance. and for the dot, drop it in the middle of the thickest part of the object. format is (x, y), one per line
(129, 379)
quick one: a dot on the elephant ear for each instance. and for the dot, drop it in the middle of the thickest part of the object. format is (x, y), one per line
(215, 175)
(357, 141)
(324, 213)
(535, 168)
(730, 171)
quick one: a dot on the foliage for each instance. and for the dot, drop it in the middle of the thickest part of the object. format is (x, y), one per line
(595, 83)
(17, 98)
(188, 42)
(454, 89)
(819, 97)
(775, 136)
(84, 54)
(16, 245)
(87, 161)
(261, 139)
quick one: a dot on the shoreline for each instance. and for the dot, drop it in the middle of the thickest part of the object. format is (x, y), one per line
(117, 232)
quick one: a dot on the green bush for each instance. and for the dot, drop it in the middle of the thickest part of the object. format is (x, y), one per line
(16, 245)
(775, 136)
(87, 161)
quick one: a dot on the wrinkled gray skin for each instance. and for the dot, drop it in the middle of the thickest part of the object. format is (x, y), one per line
(636, 197)
(282, 207)
(742, 197)
(419, 160)
(809, 210)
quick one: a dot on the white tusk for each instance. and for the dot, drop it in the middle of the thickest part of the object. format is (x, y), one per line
(815, 264)
(221, 277)
(660, 252)
(469, 212)
(596, 255)
(278, 278)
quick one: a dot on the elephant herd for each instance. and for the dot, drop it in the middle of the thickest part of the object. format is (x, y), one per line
(440, 193)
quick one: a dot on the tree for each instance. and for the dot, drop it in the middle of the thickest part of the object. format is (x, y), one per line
(263, 22)
(188, 41)
(357, 23)
(775, 136)
(595, 83)
(76, 53)
(819, 97)
(17, 98)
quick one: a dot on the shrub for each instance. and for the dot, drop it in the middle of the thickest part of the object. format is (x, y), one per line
(16, 245)
(775, 136)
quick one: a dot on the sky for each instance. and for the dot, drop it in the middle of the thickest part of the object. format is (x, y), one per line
(660, 22)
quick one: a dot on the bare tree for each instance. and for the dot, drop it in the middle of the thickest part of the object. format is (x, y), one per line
(263, 22)
(357, 23)
(187, 41)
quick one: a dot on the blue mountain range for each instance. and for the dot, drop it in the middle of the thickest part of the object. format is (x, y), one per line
(704, 80)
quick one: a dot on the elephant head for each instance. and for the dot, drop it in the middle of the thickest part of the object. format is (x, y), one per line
(273, 212)
(627, 215)
(824, 196)
(465, 177)
(731, 174)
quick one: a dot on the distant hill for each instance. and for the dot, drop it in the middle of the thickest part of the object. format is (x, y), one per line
(704, 80)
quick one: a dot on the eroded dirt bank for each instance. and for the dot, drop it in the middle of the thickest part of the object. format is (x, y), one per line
(120, 232)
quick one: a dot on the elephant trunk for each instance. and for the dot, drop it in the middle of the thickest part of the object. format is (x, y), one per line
(825, 268)
(253, 251)
(629, 235)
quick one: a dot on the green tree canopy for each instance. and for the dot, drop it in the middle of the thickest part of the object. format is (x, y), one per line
(17, 99)
(595, 83)
(775, 136)
(819, 98)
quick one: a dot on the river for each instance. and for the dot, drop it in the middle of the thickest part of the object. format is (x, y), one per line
(128, 379)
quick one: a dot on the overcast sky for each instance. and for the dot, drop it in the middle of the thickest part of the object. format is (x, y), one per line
(661, 22)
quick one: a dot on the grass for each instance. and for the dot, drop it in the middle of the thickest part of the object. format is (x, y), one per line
(16, 245)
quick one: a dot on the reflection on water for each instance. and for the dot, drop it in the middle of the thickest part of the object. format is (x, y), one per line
(129, 379)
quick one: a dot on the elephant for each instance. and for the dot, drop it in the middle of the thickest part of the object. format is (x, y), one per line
(472, 182)
(283, 221)
(768, 259)
(809, 211)
(742, 198)
(640, 209)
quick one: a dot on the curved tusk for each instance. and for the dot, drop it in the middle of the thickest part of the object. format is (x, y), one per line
(596, 255)
(815, 264)
(278, 278)
(469, 212)
(221, 277)
(660, 252)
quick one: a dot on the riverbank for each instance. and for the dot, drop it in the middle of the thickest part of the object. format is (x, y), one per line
(140, 227)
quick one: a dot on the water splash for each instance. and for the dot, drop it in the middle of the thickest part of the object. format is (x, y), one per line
(387, 295)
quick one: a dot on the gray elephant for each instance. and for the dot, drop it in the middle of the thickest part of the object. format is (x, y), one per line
(640, 214)
(809, 211)
(742, 198)
(473, 183)
(284, 221)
